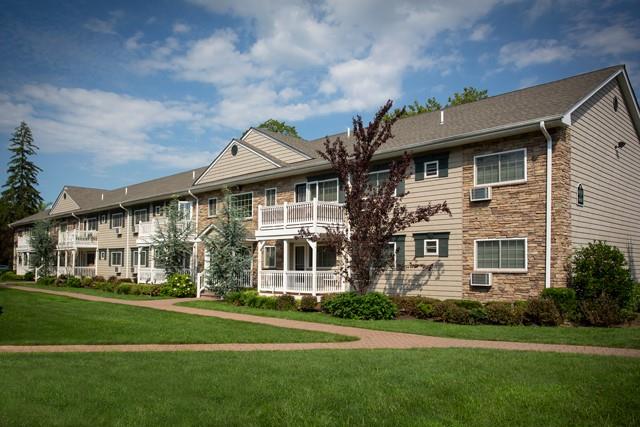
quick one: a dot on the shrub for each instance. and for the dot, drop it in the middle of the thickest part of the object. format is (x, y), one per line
(10, 276)
(450, 312)
(634, 302)
(600, 269)
(73, 282)
(233, 297)
(99, 279)
(308, 303)
(61, 280)
(105, 286)
(370, 306)
(425, 311)
(409, 305)
(29, 275)
(248, 298)
(46, 281)
(601, 311)
(180, 286)
(125, 280)
(564, 299)
(468, 304)
(504, 313)
(112, 279)
(286, 303)
(123, 288)
(541, 311)
(87, 282)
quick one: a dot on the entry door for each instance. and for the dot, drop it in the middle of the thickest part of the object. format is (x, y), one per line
(298, 262)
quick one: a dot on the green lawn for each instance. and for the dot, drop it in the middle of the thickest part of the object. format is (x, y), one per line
(87, 291)
(35, 318)
(340, 387)
(607, 337)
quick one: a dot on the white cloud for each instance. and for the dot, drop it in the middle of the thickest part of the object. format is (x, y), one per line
(133, 42)
(616, 39)
(528, 81)
(537, 9)
(308, 58)
(534, 52)
(114, 129)
(179, 27)
(104, 26)
(481, 32)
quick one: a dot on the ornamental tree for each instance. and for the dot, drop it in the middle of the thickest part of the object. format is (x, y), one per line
(375, 212)
(44, 248)
(280, 127)
(171, 242)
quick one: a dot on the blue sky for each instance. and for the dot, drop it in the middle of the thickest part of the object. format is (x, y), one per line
(122, 91)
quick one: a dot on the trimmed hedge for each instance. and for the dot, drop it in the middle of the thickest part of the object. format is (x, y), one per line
(308, 303)
(370, 306)
(10, 276)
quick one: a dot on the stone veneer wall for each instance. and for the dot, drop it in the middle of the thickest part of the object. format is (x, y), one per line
(519, 211)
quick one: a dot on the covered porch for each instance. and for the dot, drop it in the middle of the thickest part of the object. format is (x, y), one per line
(76, 262)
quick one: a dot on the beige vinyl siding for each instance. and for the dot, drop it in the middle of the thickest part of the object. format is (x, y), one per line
(610, 177)
(445, 279)
(64, 204)
(275, 149)
(108, 239)
(228, 165)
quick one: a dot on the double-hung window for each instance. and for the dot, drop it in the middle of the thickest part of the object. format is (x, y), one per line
(326, 256)
(117, 220)
(115, 258)
(377, 179)
(508, 167)
(431, 247)
(324, 191)
(431, 169)
(270, 196)
(390, 252)
(501, 255)
(269, 257)
(140, 215)
(243, 203)
(213, 207)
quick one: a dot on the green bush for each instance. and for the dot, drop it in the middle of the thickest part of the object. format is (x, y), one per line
(409, 305)
(634, 302)
(125, 280)
(105, 286)
(600, 269)
(179, 286)
(468, 304)
(123, 288)
(286, 303)
(504, 313)
(233, 297)
(73, 282)
(601, 311)
(112, 279)
(29, 276)
(564, 299)
(99, 279)
(10, 276)
(541, 311)
(370, 306)
(308, 303)
(46, 281)
(450, 312)
(426, 310)
(87, 282)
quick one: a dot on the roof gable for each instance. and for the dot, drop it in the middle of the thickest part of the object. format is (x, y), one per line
(287, 148)
(236, 159)
(64, 203)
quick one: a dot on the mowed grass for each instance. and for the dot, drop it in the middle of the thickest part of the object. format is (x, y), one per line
(340, 387)
(626, 337)
(36, 318)
(88, 291)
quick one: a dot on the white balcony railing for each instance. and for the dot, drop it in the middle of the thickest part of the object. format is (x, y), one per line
(77, 239)
(301, 282)
(156, 275)
(296, 215)
(24, 243)
(244, 281)
(85, 271)
(148, 230)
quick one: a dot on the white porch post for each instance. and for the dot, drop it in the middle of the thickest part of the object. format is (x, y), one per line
(284, 215)
(58, 263)
(315, 212)
(260, 246)
(73, 263)
(314, 266)
(139, 264)
(285, 265)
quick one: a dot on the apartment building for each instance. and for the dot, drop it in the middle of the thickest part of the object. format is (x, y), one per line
(529, 176)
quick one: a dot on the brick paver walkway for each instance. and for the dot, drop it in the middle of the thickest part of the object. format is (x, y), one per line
(367, 338)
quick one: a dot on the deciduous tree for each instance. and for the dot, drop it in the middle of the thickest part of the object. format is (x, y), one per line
(171, 245)
(44, 248)
(280, 127)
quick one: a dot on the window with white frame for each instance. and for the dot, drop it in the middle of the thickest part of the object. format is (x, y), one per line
(103, 219)
(115, 258)
(117, 220)
(501, 254)
(391, 251)
(326, 256)
(185, 208)
(213, 207)
(378, 178)
(243, 202)
(269, 257)
(431, 169)
(324, 191)
(431, 247)
(91, 224)
(501, 168)
(140, 215)
(301, 192)
(270, 196)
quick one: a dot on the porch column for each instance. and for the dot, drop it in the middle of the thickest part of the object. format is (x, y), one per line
(314, 266)
(285, 265)
(73, 263)
(139, 257)
(57, 262)
(260, 247)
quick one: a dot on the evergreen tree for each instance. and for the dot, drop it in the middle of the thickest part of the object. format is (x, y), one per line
(44, 248)
(280, 127)
(469, 94)
(229, 257)
(171, 242)
(21, 194)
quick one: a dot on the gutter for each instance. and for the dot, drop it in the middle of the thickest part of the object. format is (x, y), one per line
(547, 249)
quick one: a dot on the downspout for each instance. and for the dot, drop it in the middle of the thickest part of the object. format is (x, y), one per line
(126, 254)
(547, 250)
(195, 243)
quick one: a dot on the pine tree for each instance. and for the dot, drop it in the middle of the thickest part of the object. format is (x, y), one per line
(171, 243)
(20, 194)
(229, 257)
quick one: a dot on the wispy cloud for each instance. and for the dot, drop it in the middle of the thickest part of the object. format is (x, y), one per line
(533, 52)
(481, 32)
(104, 26)
(180, 27)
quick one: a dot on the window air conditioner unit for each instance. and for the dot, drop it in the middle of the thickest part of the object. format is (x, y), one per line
(480, 194)
(118, 269)
(481, 279)
(136, 228)
(118, 230)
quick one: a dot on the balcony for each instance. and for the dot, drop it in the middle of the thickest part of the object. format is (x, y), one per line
(155, 275)
(148, 230)
(287, 219)
(24, 244)
(300, 282)
(245, 281)
(74, 239)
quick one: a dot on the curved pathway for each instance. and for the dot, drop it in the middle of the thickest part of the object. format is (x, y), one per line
(367, 338)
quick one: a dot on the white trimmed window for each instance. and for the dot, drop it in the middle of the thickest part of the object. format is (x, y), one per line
(378, 178)
(270, 196)
(269, 257)
(431, 247)
(115, 258)
(140, 215)
(508, 167)
(213, 207)
(243, 202)
(117, 220)
(392, 252)
(431, 170)
(509, 255)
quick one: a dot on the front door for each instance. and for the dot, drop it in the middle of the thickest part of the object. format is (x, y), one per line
(298, 262)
